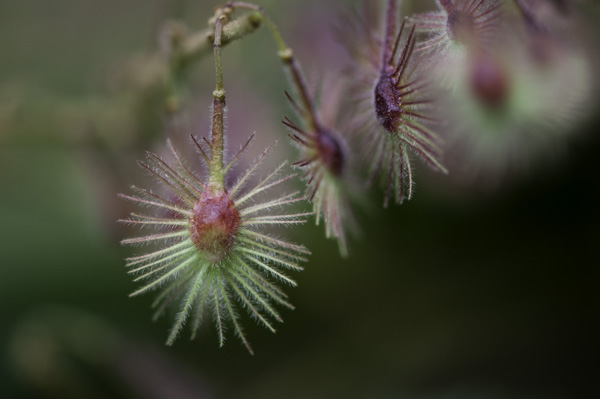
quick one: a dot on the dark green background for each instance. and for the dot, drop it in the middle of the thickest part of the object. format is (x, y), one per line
(459, 293)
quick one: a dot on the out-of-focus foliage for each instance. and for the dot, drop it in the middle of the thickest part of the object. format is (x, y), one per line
(459, 293)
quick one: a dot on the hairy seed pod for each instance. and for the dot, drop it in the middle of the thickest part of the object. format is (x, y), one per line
(395, 116)
(214, 253)
(458, 24)
(214, 225)
(324, 159)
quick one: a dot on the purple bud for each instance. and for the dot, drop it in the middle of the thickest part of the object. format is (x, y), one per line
(489, 82)
(387, 103)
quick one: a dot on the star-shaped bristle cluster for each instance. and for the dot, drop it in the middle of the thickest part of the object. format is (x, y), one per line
(214, 255)
(401, 106)
(458, 24)
(324, 160)
(395, 114)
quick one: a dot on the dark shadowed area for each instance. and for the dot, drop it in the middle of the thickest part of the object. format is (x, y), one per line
(465, 291)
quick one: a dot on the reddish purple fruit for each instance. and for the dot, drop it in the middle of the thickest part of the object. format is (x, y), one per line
(214, 225)
(489, 82)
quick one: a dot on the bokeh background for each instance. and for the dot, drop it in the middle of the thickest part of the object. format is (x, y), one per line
(459, 293)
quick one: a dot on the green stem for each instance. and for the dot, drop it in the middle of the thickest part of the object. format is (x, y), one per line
(287, 57)
(217, 50)
(272, 26)
(186, 49)
(217, 174)
(194, 46)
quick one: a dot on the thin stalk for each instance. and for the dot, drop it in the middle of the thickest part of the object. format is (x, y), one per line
(287, 57)
(390, 33)
(272, 26)
(217, 174)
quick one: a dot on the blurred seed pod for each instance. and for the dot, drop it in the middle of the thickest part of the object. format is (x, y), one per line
(515, 102)
(394, 115)
(458, 24)
(326, 160)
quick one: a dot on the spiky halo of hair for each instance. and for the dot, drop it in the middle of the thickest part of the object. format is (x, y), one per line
(324, 158)
(387, 84)
(515, 105)
(457, 25)
(184, 269)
